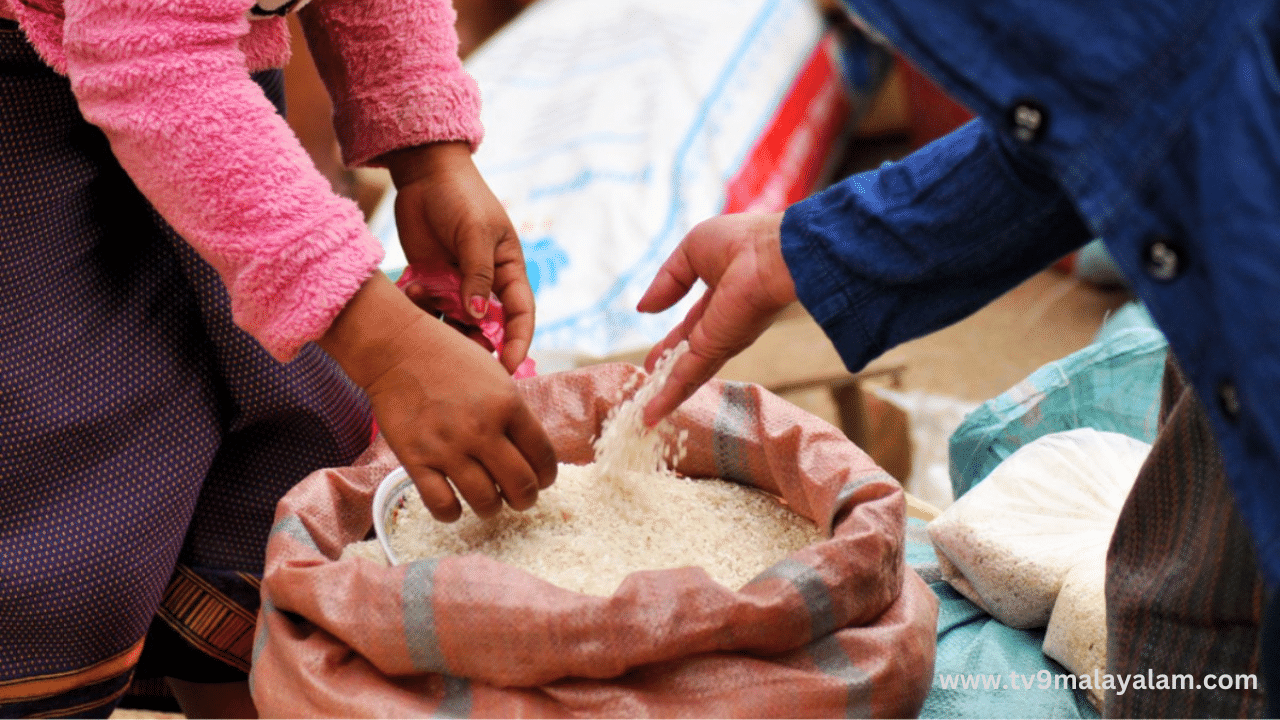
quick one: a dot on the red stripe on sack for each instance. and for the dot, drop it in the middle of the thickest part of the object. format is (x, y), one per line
(785, 164)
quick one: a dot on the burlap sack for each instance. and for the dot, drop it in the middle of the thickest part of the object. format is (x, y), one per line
(840, 628)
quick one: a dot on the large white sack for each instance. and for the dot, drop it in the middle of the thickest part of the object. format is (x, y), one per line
(611, 129)
(1008, 543)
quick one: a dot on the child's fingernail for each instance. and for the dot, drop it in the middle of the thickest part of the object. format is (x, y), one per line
(479, 306)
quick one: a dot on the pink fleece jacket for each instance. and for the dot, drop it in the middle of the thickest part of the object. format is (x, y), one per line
(168, 82)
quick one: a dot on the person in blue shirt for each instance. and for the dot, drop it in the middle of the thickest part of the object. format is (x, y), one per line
(1154, 125)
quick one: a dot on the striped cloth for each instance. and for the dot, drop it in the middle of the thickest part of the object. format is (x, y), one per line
(144, 439)
(1184, 594)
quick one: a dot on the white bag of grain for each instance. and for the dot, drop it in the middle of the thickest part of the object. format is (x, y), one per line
(1077, 632)
(1008, 543)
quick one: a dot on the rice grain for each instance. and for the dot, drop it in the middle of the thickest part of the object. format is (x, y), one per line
(624, 513)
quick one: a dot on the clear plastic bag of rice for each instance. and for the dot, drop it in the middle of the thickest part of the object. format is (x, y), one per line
(1077, 632)
(1009, 542)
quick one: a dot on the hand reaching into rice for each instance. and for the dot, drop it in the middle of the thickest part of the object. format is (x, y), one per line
(626, 512)
(739, 257)
(471, 427)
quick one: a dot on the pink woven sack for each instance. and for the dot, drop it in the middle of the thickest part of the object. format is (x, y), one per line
(841, 628)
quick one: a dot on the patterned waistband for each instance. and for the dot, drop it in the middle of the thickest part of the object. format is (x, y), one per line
(208, 619)
(68, 693)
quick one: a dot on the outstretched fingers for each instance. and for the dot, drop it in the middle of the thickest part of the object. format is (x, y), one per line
(674, 280)
(709, 350)
(679, 332)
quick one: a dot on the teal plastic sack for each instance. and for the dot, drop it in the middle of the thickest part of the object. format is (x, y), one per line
(1113, 384)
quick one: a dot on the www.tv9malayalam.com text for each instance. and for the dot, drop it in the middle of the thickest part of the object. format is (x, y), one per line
(1046, 680)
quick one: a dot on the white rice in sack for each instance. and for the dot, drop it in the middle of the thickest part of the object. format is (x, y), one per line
(626, 512)
(1008, 543)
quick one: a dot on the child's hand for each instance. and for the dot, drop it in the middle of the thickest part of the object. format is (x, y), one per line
(446, 408)
(447, 215)
(748, 284)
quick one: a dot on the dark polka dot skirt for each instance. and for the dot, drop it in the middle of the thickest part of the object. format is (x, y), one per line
(144, 439)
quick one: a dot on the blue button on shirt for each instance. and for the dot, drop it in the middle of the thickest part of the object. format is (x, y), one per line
(1153, 124)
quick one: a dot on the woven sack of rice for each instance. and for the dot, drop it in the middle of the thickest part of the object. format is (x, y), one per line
(840, 627)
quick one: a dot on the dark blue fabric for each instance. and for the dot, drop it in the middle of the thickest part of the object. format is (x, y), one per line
(1161, 124)
(879, 258)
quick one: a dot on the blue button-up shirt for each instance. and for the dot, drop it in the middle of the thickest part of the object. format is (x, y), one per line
(1153, 124)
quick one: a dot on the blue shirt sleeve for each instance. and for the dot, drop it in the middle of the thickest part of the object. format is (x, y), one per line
(895, 253)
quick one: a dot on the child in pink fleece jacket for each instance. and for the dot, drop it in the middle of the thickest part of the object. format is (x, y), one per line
(141, 375)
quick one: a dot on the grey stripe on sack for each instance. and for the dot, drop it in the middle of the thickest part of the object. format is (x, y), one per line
(850, 489)
(260, 641)
(832, 660)
(456, 702)
(423, 641)
(292, 526)
(419, 616)
(813, 590)
(734, 422)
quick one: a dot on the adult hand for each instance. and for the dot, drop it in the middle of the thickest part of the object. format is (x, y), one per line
(447, 216)
(446, 408)
(739, 257)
